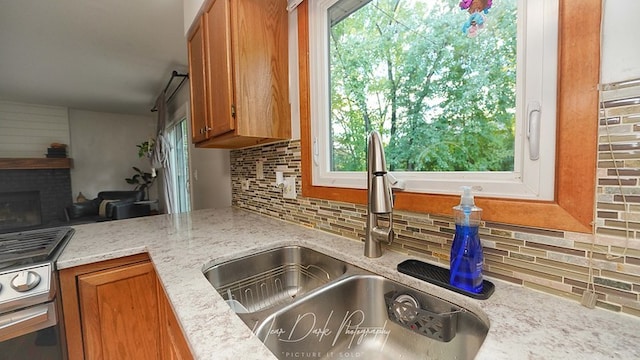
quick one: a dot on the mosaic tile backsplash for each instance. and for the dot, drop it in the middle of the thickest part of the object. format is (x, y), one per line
(552, 261)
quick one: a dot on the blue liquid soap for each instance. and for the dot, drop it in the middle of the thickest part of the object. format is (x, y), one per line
(466, 251)
(467, 259)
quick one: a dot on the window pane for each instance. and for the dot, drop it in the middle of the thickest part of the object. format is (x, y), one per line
(443, 101)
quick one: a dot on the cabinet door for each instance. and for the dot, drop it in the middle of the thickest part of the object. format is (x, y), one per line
(119, 313)
(220, 80)
(173, 344)
(197, 81)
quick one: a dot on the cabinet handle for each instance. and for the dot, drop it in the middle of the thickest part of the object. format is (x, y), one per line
(233, 111)
(207, 129)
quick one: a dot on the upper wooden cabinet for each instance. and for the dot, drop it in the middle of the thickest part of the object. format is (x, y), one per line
(197, 78)
(238, 61)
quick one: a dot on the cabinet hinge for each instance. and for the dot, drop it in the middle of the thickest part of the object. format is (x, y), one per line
(233, 111)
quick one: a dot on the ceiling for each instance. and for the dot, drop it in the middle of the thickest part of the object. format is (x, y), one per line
(108, 56)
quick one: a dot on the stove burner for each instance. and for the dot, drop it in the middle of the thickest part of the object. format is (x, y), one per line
(30, 246)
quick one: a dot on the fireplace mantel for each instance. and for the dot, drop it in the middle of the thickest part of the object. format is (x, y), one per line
(35, 163)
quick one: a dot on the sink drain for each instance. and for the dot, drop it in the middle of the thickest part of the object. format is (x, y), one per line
(404, 314)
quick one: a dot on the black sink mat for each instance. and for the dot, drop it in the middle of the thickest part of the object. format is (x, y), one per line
(440, 276)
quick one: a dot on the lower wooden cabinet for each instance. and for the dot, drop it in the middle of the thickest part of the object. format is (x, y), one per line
(117, 309)
(173, 345)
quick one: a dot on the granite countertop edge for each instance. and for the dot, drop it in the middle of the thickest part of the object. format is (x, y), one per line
(524, 323)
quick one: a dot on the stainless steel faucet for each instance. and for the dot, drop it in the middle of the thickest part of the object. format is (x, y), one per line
(380, 199)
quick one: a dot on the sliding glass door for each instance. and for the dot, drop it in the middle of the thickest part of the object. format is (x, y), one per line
(179, 157)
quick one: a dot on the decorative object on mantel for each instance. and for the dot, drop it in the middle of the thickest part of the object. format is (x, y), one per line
(142, 180)
(57, 150)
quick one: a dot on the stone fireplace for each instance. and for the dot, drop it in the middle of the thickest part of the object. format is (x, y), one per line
(34, 193)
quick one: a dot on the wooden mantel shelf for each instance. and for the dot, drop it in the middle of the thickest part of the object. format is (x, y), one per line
(35, 163)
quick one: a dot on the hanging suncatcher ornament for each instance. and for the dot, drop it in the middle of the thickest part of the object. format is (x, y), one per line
(477, 10)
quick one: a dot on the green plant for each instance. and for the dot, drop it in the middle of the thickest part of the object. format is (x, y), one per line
(142, 180)
(146, 148)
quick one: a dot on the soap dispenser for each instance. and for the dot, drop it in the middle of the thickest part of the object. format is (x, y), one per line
(466, 251)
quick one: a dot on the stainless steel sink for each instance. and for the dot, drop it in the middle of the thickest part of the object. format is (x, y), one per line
(275, 277)
(352, 319)
(342, 311)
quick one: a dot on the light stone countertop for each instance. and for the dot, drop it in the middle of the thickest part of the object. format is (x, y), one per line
(524, 324)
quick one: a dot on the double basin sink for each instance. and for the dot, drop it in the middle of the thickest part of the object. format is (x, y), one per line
(302, 303)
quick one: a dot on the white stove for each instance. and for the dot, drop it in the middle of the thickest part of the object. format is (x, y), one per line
(30, 313)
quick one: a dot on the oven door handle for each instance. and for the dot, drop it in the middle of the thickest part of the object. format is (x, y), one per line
(27, 321)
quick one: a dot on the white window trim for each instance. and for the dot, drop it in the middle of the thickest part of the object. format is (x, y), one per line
(531, 179)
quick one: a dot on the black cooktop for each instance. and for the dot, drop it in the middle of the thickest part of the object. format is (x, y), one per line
(33, 246)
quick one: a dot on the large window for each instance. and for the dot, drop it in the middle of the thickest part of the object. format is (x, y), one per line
(576, 136)
(455, 104)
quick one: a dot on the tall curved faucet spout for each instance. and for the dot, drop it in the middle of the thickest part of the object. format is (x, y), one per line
(379, 199)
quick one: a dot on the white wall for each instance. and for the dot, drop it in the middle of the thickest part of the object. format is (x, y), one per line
(621, 53)
(27, 130)
(190, 9)
(210, 178)
(104, 150)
